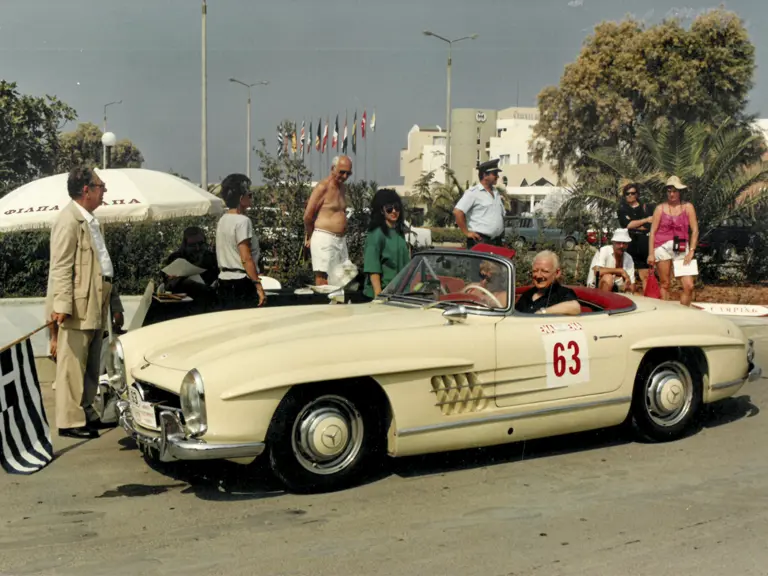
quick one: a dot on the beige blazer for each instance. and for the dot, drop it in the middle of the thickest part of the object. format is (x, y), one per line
(75, 283)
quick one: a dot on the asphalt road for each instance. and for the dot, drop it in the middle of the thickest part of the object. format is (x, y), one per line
(593, 503)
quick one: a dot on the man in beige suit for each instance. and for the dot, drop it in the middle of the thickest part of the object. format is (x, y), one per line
(79, 293)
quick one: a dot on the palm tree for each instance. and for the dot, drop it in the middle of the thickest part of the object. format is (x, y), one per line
(720, 164)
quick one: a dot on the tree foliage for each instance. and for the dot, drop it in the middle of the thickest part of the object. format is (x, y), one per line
(627, 74)
(83, 146)
(29, 128)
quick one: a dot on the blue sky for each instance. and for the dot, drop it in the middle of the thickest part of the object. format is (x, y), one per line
(322, 57)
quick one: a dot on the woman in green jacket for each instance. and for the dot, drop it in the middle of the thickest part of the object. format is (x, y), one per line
(386, 251)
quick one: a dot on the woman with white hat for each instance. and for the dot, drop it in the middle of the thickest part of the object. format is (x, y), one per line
(674, 235)
(613, 269)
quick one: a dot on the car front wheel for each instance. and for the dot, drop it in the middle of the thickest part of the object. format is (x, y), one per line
(666, 400)
(570, 243)
(323, 440)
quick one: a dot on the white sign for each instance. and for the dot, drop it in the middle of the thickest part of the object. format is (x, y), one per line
(567, 354)
(480, 117)
(732, 309)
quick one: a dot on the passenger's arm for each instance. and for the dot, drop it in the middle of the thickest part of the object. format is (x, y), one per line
(652, 234)
(694, 224)
(313, 206)
(571, 308)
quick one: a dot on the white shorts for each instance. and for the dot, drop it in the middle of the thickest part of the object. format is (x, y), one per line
(328, 250)
(664, 252)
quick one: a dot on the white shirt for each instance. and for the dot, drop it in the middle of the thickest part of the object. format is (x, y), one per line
(98, 242)
(484, 211)
(230, 231)
(605, 259)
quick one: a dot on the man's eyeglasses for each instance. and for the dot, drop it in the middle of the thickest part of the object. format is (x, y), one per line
(102, 185)
(389, 208)
(345, 172)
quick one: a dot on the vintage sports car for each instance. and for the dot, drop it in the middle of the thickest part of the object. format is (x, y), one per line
(439, 361)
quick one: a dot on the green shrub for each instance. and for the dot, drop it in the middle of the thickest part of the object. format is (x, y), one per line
(440, 235)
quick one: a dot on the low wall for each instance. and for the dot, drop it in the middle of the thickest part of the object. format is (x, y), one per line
(19, 316)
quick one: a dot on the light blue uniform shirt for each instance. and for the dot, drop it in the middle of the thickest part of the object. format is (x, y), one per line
(484, 213)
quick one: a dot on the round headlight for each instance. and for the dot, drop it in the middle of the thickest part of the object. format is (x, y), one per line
(118, 378)
(193, 403)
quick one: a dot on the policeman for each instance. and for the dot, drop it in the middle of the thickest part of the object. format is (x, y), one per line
(480, 211)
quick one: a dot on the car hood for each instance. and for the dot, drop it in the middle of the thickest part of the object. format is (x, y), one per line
(191, 342)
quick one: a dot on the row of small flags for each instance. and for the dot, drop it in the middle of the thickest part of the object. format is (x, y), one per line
(297, 141)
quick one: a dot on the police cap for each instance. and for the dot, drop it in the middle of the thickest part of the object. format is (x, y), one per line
(489, 166)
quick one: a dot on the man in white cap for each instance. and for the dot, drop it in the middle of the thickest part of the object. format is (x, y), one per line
(612, 268)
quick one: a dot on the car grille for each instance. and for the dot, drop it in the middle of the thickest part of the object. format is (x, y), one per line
(158, 396)
(459, 393)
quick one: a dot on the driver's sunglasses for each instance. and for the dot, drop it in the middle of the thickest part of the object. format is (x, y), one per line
(389, 208)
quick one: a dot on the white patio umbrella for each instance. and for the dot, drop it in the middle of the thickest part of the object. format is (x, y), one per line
(133, 194)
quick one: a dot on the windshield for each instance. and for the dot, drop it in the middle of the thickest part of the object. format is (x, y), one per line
(471, 279)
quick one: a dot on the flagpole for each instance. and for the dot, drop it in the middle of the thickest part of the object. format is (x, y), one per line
(20, 340)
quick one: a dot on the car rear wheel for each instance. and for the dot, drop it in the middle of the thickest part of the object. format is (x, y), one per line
(666, 400)
(324, 439)
(570, 243)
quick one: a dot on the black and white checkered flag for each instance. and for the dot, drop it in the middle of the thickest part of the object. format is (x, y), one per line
(25, 438)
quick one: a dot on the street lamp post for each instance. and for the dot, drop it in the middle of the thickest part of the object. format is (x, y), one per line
(448, 90)
(104, 131)
(204, 123)
(108, 140)
(248, 121)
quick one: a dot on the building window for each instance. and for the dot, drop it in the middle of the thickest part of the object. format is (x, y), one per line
(530, 157)
(504, 159)
(478, 156)
(438, 141)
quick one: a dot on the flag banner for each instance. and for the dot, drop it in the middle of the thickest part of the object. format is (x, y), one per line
(302, 138)
(344, 143)
(335, 141)
(325, 134)
(373, 121)
(25, 438)
(362, 124)
(309, 139)
(319, 135)
(354, 134)
(293, 141)
(280, 143)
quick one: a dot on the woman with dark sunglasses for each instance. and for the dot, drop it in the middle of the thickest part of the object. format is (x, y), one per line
(636, 217)
(386, 251)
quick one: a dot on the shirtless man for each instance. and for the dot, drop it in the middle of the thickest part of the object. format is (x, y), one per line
(325, 221)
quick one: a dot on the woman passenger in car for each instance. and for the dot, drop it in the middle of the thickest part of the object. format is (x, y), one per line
(386, 251)
(548, 296)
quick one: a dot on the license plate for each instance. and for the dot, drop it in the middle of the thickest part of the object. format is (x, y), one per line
(143, 412)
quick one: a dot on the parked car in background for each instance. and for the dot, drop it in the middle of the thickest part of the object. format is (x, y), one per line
(533, 231)
(730, 239)
(418, 237)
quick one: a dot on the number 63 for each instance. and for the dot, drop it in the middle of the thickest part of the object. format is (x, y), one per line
(560, 360)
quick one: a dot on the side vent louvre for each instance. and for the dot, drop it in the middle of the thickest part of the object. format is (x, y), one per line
(459, 393)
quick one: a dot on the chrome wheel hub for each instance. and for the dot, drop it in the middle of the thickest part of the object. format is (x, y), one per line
(669, 394)
(327, 435)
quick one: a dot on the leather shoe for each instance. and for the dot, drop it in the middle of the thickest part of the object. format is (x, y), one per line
(81, 432)
(99, 425)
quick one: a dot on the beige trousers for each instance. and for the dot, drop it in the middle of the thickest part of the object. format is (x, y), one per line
(78, 361)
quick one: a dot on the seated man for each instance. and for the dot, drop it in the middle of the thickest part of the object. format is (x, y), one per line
(194, 249)
(613, 265)
(548, 295)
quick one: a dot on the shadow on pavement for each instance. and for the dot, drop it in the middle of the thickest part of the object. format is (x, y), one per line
(226, 481)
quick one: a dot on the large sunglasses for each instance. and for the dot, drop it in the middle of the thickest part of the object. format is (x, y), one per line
(630, 193)
(389, 208)
(345, 172)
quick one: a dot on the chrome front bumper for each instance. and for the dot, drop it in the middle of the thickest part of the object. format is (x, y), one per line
(755, 373)
(171, 443)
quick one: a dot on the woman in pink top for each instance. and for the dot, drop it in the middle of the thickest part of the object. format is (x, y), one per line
(674, 231)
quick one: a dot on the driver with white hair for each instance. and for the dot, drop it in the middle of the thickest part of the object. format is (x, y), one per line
(548, 296)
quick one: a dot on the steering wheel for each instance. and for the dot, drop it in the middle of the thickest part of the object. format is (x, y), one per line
(485, 291)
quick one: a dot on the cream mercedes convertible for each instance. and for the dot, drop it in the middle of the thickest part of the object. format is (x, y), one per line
(439, 361)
